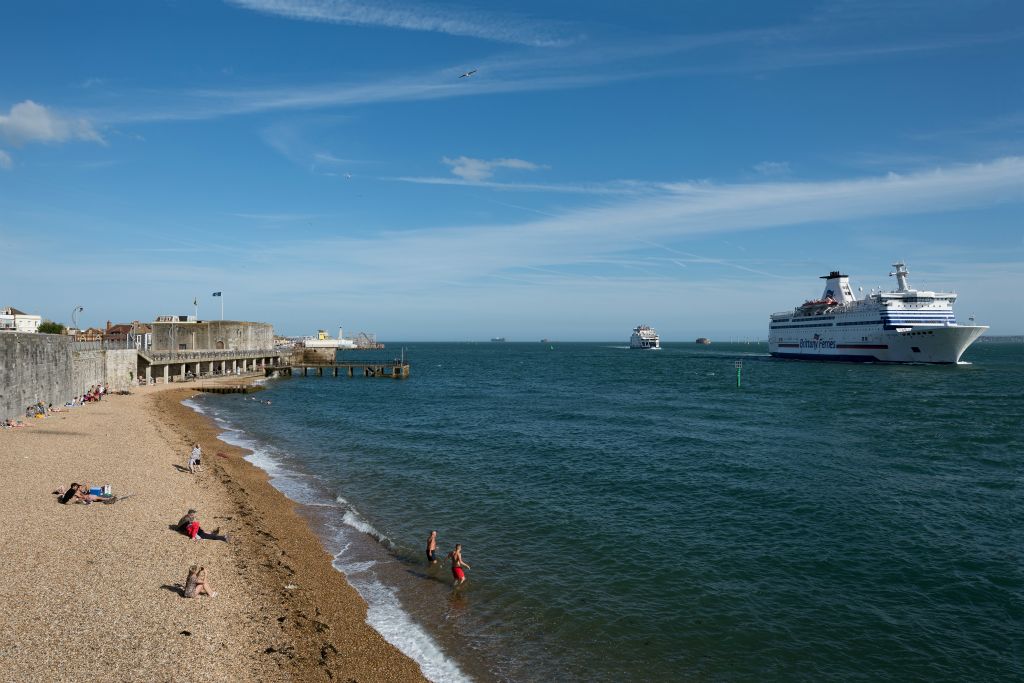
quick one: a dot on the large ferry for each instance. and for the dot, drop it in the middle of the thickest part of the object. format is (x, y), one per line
(644, 338)
(902, 326)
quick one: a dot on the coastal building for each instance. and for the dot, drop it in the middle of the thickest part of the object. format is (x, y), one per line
(183, 346)
(19, 321)
(199, 335)
(92, 334)
(133, 335)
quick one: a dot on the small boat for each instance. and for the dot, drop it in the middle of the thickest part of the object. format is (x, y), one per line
(703, 340)
(497, 339)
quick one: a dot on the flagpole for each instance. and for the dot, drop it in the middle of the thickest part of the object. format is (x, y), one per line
(222, 305)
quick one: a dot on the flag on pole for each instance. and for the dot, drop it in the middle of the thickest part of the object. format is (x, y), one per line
(217, 293)
(195, 301)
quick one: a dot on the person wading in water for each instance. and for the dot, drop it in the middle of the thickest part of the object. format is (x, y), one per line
(432, 548)
(457, 565)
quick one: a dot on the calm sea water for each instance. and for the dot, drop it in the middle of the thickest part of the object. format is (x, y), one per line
(636, 516)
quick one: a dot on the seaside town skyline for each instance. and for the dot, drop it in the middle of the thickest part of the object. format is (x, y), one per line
(325, 163)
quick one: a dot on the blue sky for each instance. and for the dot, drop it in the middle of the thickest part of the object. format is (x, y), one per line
(690, 165)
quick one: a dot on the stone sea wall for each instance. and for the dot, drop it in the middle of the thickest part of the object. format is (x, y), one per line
(49, 368)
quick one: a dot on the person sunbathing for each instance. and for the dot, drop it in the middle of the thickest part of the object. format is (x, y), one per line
(14, 423)
(79, 493)
(197, 584)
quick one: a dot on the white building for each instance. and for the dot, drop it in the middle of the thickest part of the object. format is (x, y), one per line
(19, 321)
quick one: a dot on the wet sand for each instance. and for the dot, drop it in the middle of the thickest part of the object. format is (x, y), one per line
(94, 591)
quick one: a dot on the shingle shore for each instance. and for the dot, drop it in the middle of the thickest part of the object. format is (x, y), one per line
(92, 592)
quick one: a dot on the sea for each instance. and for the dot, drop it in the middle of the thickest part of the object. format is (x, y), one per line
(699, 513)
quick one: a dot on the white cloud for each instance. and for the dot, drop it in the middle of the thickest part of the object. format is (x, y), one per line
(5, 160)
(463, 254)
(476, 170)
(416, 16)
(446, 280)
(615, 187)
(31, 122)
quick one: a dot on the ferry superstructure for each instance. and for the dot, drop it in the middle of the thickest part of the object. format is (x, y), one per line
(324, 341)
(901, 326)
(644, 338)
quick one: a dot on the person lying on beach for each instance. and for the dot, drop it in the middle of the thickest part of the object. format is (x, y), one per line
(14, 423)
(457, 565)
(195, 460)
(197, 584)
(189, 526)
(79, 493)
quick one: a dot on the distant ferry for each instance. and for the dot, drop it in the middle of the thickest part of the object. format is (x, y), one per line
(322, 340)
(497, 339)
(644, 338)
(703, 340)
(901, 326)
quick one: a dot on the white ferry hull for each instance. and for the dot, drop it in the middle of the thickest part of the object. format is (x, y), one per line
(917, 344)
(329, 344)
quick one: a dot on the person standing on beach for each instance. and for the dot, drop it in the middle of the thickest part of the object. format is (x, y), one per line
(457, 565)
(195, 460)
(432, 547)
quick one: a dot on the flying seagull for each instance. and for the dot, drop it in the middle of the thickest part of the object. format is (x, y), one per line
(468, 73)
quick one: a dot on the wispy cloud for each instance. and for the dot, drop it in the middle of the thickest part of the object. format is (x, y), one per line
(416, 17)
(476, 170)
(31, 122)
(772, 168)
(6, 162)
(683, 210)
(292, 141)
(594, 63)
(615, 187)
(277, 217)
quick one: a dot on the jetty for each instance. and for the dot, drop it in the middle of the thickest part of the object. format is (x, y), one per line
(393, 369)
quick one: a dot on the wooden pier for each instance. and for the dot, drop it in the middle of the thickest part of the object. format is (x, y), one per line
(393, 369)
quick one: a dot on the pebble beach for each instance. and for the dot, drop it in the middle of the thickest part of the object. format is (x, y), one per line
(95, 590)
